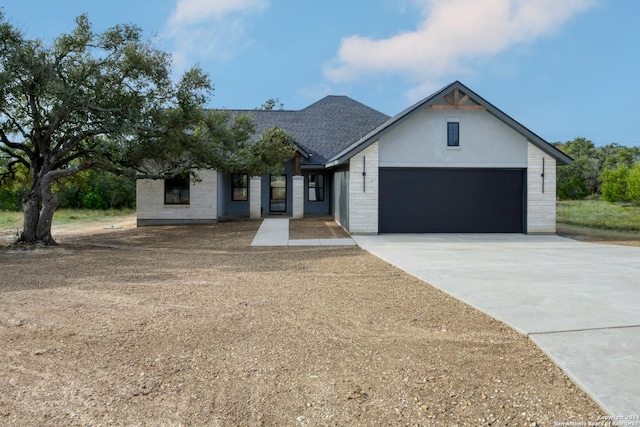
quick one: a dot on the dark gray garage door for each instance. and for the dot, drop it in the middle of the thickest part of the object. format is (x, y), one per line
(429, 200)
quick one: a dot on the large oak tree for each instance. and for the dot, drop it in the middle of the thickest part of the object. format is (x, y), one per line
(108, 101)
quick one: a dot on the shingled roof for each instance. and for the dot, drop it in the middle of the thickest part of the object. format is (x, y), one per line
(324, 128)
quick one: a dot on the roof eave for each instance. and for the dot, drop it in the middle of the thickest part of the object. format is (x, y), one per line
(300, 150)
(310, 166)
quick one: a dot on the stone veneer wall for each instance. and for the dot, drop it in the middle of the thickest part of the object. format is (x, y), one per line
(364, 191)
(298, 197)
(255, 197)
(541, 207)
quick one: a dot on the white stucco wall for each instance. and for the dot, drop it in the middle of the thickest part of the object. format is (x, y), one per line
(541, 206)
(364, 191)
(202, 208)
(421, 141)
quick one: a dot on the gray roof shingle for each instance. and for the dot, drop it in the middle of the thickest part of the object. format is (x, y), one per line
(324, 128)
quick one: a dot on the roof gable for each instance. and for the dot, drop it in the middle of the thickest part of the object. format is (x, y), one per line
(454, 96)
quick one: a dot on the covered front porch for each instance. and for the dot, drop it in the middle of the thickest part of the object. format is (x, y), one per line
(295, 193)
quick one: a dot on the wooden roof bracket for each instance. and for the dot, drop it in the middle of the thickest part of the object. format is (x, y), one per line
(456, 102)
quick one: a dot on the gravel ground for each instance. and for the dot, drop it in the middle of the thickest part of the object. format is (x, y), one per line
(181, 326)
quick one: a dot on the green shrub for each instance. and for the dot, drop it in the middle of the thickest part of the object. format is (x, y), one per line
(70, 197)
(572, 188)
(9, 200)
(96, 190)
(88, 189)
(633, 184)
(94, 201)
(614, 184)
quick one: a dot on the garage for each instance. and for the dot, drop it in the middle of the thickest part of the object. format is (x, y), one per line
(451, 200)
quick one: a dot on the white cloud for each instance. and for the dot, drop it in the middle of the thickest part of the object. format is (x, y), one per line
(202, 29)
(450, 36)
(189, 12)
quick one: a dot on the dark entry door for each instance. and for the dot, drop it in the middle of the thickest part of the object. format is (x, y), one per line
(425, 200)
(278, 193)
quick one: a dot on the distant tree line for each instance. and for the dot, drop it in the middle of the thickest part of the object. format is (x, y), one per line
(611, 171)
(90, 189)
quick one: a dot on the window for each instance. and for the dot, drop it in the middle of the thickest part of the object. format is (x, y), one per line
(239, 187)
(176, 190)
(453, 134)
(315, 187)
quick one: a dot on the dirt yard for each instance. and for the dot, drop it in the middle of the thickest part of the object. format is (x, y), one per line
(186, 326)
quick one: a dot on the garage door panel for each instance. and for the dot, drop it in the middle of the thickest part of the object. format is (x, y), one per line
(451, 200)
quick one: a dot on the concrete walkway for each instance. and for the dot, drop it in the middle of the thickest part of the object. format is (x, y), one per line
(579, 302)
(275, 232)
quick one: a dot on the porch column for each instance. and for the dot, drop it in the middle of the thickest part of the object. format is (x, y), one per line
(298, 197)
(255, 197)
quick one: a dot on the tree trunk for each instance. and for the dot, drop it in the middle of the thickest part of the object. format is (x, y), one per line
(49, 205)
(38, 207)
(31, 203)
(43, 233)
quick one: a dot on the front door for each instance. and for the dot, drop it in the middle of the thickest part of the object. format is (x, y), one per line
(278, 193)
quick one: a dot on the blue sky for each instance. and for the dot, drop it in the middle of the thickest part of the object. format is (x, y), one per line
(562, 68)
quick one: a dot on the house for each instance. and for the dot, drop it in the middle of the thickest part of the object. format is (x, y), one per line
(452, 162)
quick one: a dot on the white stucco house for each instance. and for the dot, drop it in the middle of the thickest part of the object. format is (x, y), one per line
(450, 163)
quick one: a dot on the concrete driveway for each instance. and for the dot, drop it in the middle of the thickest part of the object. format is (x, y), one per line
(579, 302)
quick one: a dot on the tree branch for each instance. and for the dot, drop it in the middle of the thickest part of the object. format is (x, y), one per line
(13, 122)
(89, 164)
(70, 143)
(11, 172)
(14, 145)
